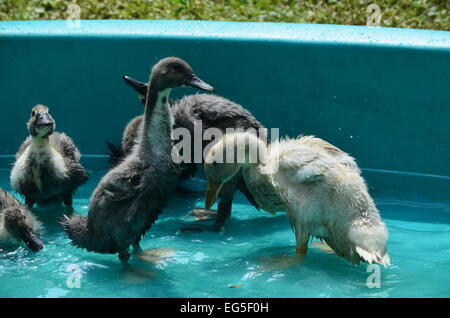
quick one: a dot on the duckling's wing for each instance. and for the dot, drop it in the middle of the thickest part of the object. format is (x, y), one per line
(302, 165)
(112, 200)
(213, 111)
(122, 187)
(65, 145)
(78, 175)
(322, 146)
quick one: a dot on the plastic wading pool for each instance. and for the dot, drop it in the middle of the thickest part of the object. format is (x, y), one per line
(380, 94)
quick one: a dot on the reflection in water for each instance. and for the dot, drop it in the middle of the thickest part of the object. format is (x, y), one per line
(156, 255)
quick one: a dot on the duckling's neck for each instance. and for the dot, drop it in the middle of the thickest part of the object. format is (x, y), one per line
(39, 142)
(249, 149)
(158, 121)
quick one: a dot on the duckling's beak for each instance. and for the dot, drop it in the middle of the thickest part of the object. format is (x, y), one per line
(32, 241)
(43, 120)
(196, 82)
(139, 87)
(212, 191)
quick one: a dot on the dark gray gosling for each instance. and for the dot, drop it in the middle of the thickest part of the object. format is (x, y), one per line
(214, 112)
(17, 224)
(47, 168)
(130, 197)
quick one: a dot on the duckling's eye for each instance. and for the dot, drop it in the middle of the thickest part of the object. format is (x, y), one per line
(33, 113)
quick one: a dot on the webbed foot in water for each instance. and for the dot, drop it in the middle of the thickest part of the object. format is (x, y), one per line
(156, 255)
(203, 214)
(200, 214)
(279, 261)
(218, 226)
(324, 247)
(135, 275)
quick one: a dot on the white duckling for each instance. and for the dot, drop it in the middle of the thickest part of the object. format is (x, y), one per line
(317, 184)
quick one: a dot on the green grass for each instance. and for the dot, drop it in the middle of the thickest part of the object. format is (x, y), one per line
(424, 14)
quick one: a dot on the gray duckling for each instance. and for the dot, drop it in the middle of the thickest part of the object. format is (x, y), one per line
(130, 197)
(47, 167)
(214, 112)
(17, 224)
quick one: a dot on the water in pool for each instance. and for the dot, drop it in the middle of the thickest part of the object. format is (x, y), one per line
(248, 259)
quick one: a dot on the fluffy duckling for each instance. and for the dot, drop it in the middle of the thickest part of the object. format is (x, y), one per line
(317, 184)
(17, 224)
(47, 168)
(130, 197)
(214, 112)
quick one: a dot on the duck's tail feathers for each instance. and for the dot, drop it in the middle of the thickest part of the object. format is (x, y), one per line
(374, 257)
(116, 153)
(76, 228)
(370, 242)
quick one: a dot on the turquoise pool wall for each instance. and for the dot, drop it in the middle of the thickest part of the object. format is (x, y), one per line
(381, 94)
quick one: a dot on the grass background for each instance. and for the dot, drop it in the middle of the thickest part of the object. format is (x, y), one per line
(424, 14)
